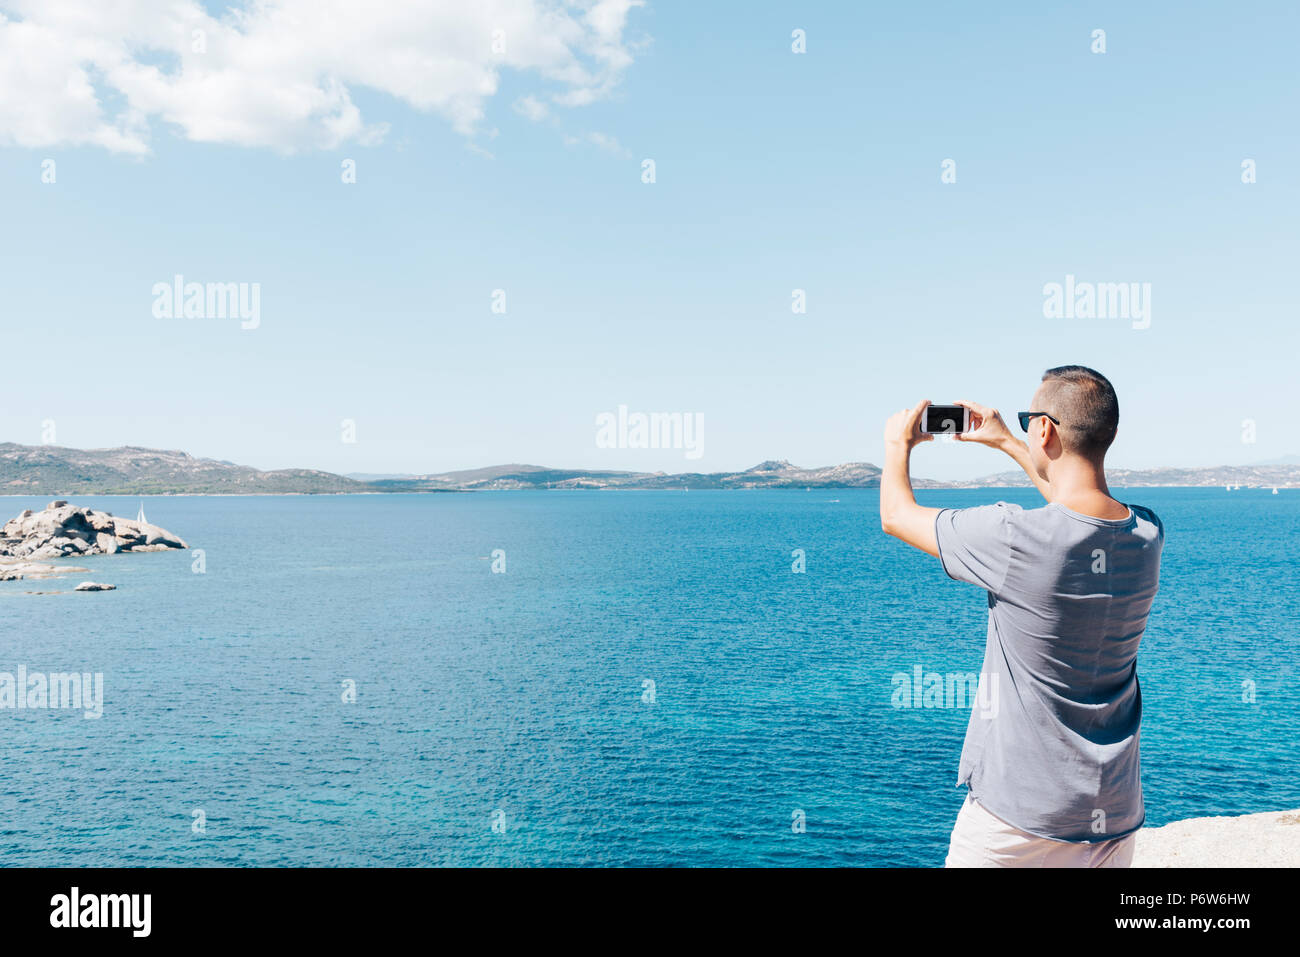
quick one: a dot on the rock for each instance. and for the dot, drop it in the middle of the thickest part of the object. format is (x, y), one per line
(14, 524)
(95, 586)
(126, 531)
(153, 535)
(17, 571)
(1270, 839)
(63, 529)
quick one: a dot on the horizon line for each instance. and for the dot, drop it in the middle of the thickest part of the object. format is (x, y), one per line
(394, 475)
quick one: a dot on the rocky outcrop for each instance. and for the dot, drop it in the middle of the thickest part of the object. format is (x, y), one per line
(94, 586)
(68, 531)
(1270, 839)
(16, 571)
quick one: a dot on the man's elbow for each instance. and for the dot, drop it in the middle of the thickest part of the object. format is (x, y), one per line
(887, 523)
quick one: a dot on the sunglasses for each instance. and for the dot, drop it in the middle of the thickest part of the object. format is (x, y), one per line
(1026, 416)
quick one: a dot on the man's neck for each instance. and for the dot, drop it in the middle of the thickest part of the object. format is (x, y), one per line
(1080, 486)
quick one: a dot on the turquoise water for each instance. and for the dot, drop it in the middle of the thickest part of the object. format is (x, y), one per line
(523, 692)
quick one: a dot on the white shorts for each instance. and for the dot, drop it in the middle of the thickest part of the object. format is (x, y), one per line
(981, 839)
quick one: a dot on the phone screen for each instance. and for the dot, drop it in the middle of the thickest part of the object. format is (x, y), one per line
(944, 419)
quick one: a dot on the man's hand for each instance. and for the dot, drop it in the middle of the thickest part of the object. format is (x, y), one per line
(904, 427)
(986, 426)
(900, 516)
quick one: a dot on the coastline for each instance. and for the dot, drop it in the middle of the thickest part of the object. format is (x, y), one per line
(1267, 839)
(603, 488)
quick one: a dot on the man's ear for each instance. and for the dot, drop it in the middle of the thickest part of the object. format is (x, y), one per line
(1044, 428)
(1050, 431)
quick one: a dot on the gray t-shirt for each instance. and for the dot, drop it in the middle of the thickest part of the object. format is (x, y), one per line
(1052, 743)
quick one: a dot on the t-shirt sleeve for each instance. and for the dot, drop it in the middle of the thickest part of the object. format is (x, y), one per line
(975, 543)
(1155, 520)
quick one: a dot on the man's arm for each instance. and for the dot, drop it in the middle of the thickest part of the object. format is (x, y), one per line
(900, 516)
(987, 428)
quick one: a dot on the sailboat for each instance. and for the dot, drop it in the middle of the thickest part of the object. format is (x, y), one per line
(140, 518)
(1275, 491)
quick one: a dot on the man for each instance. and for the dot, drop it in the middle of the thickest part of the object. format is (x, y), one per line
(1052, 770)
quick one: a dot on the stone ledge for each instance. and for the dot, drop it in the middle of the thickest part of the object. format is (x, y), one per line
(1270, 839)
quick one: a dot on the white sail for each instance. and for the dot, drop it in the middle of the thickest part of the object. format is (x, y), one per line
(140, 518)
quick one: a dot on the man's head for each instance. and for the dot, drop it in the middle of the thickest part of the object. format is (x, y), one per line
(1083, 401)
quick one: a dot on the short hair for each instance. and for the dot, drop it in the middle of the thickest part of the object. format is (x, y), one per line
(1085, 402)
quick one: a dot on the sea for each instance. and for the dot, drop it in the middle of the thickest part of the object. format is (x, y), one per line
(588, 678)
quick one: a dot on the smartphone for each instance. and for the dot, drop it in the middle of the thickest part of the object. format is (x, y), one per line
(945, 419)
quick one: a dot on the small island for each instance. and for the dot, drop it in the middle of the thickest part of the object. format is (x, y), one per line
(70, 531)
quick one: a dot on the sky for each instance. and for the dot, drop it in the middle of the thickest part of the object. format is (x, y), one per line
(501, 273)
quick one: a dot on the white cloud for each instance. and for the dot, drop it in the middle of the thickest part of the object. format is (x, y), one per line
(282, 73)
(533, 108)
(608, 143)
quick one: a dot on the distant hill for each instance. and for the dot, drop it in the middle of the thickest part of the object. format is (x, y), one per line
(512, 476)
(1247, 476)
(770, 474)
(53, 470)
